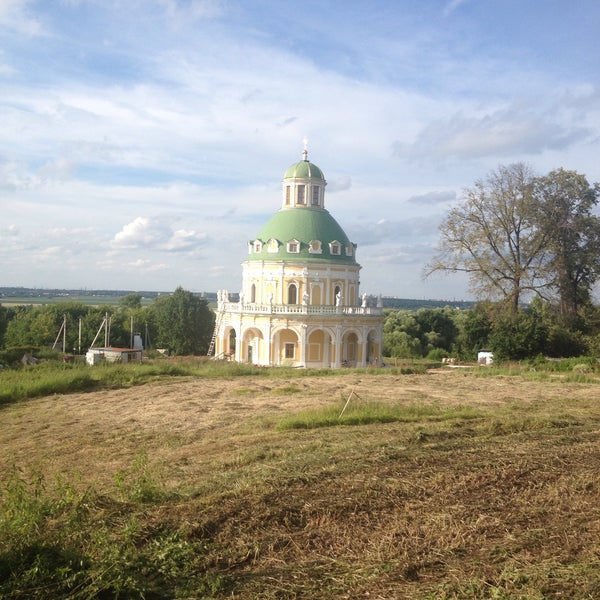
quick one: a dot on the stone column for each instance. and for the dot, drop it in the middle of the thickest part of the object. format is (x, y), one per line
(337, 345)
(364, 347)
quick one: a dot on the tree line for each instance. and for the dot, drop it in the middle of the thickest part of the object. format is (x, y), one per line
(531, 332)
(180, 322)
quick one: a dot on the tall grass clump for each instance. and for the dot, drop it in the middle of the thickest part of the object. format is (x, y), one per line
(77, 544)
(364, 413)
(139, 483)
(49, 378)
(31, 382)
(35, 558)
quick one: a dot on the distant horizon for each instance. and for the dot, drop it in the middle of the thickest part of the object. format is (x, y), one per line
(118, 291)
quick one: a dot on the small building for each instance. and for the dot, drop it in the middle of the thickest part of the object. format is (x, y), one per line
(112, 355)
(485, 357)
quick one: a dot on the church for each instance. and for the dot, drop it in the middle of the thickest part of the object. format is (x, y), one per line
(300, 303)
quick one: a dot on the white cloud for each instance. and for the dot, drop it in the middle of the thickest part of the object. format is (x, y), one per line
(183, 240)
(142, 232)
(501, 133)
(6, 70)
(433, 198)
(59, 168)
(15, 15)
(340, 184)
(404, 231)
(182, 13)
(157, 233)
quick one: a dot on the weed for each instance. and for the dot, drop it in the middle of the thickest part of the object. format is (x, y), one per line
(286, 390)
(139, 483)
(363, 413)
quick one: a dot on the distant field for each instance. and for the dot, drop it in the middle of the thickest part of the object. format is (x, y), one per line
(87, 299)
(40, 300)
(17, 296)
(476, 486)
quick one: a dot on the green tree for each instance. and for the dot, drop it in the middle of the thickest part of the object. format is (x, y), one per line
(18, 329)
(474, 327)
(518, 336)
(565, 201)
(399, 344)
(416, 333)
(41, 325)
(436, 328)
(131, 301)
(493, 236)
(401, 335)
(184, 322)
(6, 314)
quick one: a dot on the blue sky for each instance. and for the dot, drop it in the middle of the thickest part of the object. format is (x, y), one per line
(143, 142)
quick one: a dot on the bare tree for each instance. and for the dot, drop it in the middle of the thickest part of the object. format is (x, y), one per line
(493, 236)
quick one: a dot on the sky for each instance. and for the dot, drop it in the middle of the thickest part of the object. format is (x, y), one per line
(143, 142)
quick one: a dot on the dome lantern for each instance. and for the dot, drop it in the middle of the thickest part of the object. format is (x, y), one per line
(304, 185)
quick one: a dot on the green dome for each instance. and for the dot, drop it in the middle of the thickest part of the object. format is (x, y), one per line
(305, 226)
(303, 170)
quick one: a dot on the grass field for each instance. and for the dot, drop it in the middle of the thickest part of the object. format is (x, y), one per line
(87, 299)
(446, 484)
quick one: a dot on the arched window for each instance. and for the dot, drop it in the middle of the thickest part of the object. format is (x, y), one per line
(292, 294)
(253, 293)
(316, 196)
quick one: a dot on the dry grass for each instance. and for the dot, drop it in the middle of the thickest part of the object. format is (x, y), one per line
(506, 505)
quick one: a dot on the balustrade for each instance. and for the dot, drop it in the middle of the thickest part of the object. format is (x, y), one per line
(298, 309)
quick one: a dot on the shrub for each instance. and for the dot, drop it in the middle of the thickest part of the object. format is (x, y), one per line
(582, 368)
(12, 356)
(437, 354)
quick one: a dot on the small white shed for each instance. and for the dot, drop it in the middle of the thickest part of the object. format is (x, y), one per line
(124, 355)
(485, 357)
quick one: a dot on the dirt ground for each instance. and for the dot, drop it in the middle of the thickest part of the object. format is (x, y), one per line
(184, 422)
